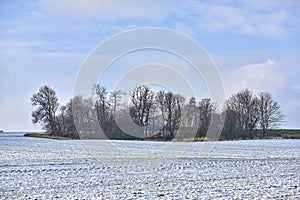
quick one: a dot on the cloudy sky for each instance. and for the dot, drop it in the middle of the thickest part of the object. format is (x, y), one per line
(255, 45)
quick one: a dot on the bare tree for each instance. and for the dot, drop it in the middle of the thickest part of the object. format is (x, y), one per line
(142, 99)
(84, 116)
(160, 100)
(115, 100)
(246, 106)
(230, 130)
(171, 107)
(269, 113)
(102, 106)
(253, 116)
(206, 107)
(233, 104)
(191, 113)
(47, 104)
(246, 115)
(154, 120)
(62, 119)
(178, 106)
(190, 118)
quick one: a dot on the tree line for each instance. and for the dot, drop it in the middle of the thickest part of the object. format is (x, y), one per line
(150, 114)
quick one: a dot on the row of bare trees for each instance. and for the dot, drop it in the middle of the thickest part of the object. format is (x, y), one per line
(46, 113)
(249, 116)
(154, 115)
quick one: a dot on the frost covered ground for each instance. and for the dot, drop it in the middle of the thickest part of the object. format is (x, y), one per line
(32, 168)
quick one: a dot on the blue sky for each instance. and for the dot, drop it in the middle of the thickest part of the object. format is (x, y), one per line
(255, 44)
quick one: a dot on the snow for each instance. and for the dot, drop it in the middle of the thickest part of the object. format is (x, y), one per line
(33, 168)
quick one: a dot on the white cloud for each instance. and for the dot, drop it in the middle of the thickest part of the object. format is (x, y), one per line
(268, 5)
(263, 18)
(108, 9)
(267, 76)
(257, 77)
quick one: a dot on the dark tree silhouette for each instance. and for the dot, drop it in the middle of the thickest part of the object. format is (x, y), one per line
(102, 107)
(206, 107)
(162, 115)
(142, 99)
(269, 113)
(115, 100)
(46, 103)
(171, 107)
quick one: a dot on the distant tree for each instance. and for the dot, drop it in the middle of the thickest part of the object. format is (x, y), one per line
(171, 108)
(178, 107)
(68, 117)
(165, 113)
(142, 99)
(190, 118)
(246, 105)
(155, 119)
(230, 129)
(252, 113)
(85, 117)
(160, 101)
(206, 107)
(46, 103)
(102, 107)
(115, 100)
(269, 113)
(191, 113)
(61, 120)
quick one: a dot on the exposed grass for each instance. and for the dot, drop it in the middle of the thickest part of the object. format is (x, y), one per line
(291, 136)
(283, 133)
(47, 136)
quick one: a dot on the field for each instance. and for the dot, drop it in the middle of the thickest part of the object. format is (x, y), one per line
(74, 169)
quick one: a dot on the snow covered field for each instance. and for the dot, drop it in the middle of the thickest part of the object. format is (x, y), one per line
(33, 168)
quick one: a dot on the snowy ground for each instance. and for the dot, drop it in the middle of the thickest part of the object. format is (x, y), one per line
(32, 168)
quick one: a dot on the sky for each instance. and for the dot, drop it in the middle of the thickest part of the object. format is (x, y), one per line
(255, 44)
